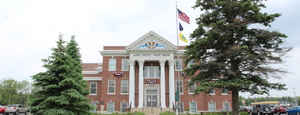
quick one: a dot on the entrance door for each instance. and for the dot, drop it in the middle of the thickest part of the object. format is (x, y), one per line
(151, 98)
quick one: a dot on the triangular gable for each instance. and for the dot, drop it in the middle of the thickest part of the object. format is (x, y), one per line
(151, 41)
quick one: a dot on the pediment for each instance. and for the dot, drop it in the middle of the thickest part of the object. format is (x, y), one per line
(151, 41)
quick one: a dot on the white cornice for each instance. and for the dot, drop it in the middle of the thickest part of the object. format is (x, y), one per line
(90, 72)
(114, 53)
(92, 78)
(179, 52)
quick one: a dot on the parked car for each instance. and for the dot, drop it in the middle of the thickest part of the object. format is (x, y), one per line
(10, 110)
(19, 108)
(261, 110)
(294, 110)
(279, 110)
(2, 110)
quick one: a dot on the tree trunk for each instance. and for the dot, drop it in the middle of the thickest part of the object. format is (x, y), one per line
(235, 102)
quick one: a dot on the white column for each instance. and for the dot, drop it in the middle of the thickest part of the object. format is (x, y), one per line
(141, 83)
(162, 84)
(131, 83)
(171, 84)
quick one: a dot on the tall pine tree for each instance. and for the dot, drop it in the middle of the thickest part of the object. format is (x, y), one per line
(81, 102)
(234, 46)
(61, 92)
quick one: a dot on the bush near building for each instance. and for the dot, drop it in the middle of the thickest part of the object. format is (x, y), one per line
(134, 113)
(203, 113)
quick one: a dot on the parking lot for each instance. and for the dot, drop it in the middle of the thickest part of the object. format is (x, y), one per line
(14, 114)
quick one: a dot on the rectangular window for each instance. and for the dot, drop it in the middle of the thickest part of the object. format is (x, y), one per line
(157, 71)
(123, 106)
(178, 64)
(93, 88)
(190, 63)
(94, 104)
(181, 107)
(179, 86)
(125, 64)
(192, 88)
(224, 91)
(151, 72)
(111, 107)
(226, 106)
(111, 86)
(211, 106)
(124, 86)
(193, 107)
(112, 64)
(212, 92)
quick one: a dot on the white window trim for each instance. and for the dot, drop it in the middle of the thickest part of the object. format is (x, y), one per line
(181, 68)
(214, 93)
(92, 78)
(190, 107)
(114, 106)
(215, 106)
(147, 71)
(123, 102)
(224, 93)
(182, 105)
(109, 93)
(191, 93)
(121, 87)
(91, 88)
(115, 69)
(122, 69)
(90, 72)
(229, 109)
(190, 63)
(181, 93)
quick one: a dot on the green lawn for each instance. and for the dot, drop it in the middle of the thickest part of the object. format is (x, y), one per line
(134, 113)
(207, 113)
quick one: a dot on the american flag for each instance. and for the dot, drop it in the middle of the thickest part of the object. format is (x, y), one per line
(182, 16)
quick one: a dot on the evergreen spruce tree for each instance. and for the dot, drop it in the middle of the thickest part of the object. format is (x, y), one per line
(60, 92)
(234, 47)
(81, 102)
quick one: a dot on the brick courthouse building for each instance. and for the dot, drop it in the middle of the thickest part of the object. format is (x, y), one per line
(147, 73)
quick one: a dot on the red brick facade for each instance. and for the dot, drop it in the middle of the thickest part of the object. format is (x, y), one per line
(99, 73)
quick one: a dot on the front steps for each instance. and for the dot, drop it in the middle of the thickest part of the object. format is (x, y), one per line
(151, 110)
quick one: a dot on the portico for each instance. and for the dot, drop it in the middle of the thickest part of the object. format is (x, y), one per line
(162, 59)
(151, 48)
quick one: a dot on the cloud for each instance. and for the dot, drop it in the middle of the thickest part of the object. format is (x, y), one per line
(30, 28)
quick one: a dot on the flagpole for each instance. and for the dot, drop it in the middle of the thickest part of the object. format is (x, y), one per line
(177, 24)
(176, 103)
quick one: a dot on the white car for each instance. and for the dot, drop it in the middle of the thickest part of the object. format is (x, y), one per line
(15, 109)
(10, 110)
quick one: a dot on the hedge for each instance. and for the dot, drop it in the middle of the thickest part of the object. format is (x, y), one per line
(134, 113)
(203, 113)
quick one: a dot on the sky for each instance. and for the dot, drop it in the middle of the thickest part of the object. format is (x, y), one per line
(30, 28)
